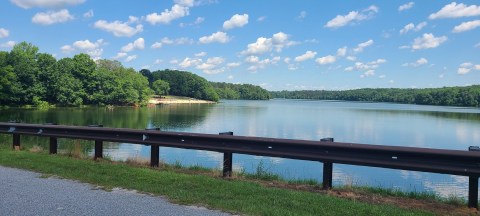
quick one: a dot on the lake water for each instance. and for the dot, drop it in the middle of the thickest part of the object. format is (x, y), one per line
(369, 123)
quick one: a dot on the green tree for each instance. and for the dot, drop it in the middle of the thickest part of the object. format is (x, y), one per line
(161, 87)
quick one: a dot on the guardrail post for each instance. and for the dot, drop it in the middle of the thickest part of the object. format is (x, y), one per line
(53, 145)
(227, 159)
(327, 170)
(154, 151)
(98, 145)
(473, 185)
(16, 142)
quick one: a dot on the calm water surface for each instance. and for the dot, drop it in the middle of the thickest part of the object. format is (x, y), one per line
(369, 123)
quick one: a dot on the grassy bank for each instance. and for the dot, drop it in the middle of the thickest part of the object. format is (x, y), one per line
(236, 196)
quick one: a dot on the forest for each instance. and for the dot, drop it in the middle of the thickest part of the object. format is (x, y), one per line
(468, 96)
(28, 77)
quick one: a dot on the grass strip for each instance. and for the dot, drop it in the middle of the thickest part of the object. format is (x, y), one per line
(229, 195)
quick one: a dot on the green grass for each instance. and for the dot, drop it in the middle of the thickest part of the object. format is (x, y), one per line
(235, 196)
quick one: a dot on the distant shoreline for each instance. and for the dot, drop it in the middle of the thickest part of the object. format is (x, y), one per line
(177, 100)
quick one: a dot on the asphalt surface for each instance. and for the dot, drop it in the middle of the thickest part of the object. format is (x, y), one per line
(27, 193)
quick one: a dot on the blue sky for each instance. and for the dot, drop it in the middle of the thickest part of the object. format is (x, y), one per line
(279, 45)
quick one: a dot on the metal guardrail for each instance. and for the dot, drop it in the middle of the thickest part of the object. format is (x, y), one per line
(464, 163)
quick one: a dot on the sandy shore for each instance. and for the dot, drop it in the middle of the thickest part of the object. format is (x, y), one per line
(178, 101)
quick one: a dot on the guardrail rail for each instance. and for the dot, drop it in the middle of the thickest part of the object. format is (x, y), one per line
(456, 162)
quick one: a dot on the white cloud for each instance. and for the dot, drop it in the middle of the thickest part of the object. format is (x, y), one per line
(94, 49)
(308, 55)
(119, 29)
(360, 66)
(234, 64)
(130, 58)
(120, 55)
(419, 62)
(341, 52)
(362, 46)
(302, 15)
(197, 21)
(352, 17)
(287, 60)
(138, 44)
(368, 73)
(257, 64)
(186, 3)
(412, 27)
(219, 37)
(236, 21)
(189, 62)
(260, 19)
(230, 77)
(351, 58)
(212, 66)
(326, 60)
(26, 4)
(200, 54)
(428, 41)
(52, 17)
(156, 45)
(177, 11)
(8, 44)
(88, 14)
(263, 45)
(466, 26)
(406, 6)
(454, 10)
(383, 76)
(158, 61)
(466, 67)
(4, 33)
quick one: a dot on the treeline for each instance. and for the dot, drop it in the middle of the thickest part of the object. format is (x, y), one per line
(28, 77)
(446, 96)
(240, 91)
(183, 83)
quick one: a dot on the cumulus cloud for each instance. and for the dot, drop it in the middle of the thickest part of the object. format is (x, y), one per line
(236, 21)
(466, 67)
(88, 14)
(412, 27)
(302, 15)
(217, 37)
(177, 11)
(94, 49)
(428, 41)
(120, 55)
(352, 17)
(308, 55)
(406, 6)
(263, 45)
(138, 44)
(341, 52)
(118, 28)
(52, 17)
(189, 62)
(326, 60)
(418, 63)
(454, 10)
(200, 54)
(8, 44)
(197, 21)
(257, 63)
(4, 33)
(234, 64)
(130, 58)
(212, 65)
(466, 26)
(360, 47)
(168, 41)
(369, 67)
(262, 18)
(26, 4)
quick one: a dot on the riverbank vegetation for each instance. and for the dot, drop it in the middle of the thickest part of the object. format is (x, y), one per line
(231, 91)
(468, 96)
(28, 77)
(203, 187)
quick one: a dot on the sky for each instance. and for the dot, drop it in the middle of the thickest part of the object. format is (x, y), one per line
(277, 44)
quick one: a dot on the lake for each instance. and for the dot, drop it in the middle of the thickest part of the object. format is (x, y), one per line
(368, 123)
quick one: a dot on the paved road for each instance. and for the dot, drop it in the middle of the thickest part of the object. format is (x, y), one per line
(25, 193)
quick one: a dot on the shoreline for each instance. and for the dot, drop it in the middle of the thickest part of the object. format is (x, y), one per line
(157, 101)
